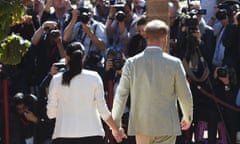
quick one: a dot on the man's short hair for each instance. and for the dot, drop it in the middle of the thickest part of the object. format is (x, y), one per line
(156, 29)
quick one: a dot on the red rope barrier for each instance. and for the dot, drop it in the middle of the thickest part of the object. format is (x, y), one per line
(6, 111)
(216, 99)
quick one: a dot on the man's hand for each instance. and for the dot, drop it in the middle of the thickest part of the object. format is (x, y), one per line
(109, 64)
(30, 116)
(185, 125)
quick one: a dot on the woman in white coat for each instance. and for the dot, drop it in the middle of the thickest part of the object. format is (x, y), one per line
(76, 100)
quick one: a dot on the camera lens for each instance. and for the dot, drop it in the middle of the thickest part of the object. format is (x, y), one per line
(120, 15)
(222, 72)
(117, 63)
(55, 33)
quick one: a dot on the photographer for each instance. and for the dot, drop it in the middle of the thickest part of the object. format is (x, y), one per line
(232, 60)
(195, 46)
(226, 90)
(90, 33)
(60, 12)
(47, 48)
(219, 29)
(31, 127)
(231, 42)
(121, 25)
(113, 71)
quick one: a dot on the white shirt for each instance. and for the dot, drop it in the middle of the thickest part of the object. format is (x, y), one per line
(77, 107)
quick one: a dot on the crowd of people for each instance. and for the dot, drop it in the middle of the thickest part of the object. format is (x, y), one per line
(96, 72)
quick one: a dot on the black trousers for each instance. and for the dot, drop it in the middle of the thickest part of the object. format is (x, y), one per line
(83, 140)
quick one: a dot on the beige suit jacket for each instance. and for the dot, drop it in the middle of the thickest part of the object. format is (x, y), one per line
(155, 81)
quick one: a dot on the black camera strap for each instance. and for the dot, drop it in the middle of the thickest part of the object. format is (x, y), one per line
(94, 31)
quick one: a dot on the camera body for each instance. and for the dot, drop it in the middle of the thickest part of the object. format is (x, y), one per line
(51, 33)
(84, 15)
(118, 63)
(190, 18)
(222, 71)
(60, 66)
(120, 11)
(54, 33)
(221, 14)
(229, 7)
(117, 59)
(92, 60)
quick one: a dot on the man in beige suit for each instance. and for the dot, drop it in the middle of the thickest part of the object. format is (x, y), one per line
(155, 81)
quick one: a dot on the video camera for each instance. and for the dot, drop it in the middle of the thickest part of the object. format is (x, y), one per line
(189, 18)
(228, 8)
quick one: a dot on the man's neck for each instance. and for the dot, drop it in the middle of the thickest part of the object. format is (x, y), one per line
(153, 43)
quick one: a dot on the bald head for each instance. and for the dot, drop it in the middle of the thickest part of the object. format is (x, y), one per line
(156, 29)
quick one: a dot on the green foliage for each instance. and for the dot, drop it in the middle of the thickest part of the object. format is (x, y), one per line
(10, 11)
(12, 49)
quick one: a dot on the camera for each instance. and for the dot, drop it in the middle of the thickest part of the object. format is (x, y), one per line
(92, 60)
(84, 15)
(118, 63)
(222, 72)
(60, 66)
(230, 7)
(55, 33)
(120, 11)
(221, 14)
(117, 60)
(190, 20)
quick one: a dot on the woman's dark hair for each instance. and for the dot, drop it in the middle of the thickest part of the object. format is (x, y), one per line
(75, 51)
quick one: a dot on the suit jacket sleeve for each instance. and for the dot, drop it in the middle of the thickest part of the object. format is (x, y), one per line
(184, 93)
(122, 94)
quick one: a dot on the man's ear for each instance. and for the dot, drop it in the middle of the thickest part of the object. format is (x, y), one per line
(163, 42)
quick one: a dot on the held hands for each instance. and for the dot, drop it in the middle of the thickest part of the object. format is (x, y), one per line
(119, 135)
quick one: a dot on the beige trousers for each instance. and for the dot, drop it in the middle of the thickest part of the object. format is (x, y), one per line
(143, 139)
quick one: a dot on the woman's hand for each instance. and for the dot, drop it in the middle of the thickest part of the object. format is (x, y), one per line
(119, 135)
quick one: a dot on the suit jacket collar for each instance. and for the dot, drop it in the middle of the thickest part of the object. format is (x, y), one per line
(153, 49)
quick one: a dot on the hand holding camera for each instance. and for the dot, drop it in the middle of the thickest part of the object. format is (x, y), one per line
(109, 64)
(117, 11)
(58, 67)
(80, 14)
(221, 73)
